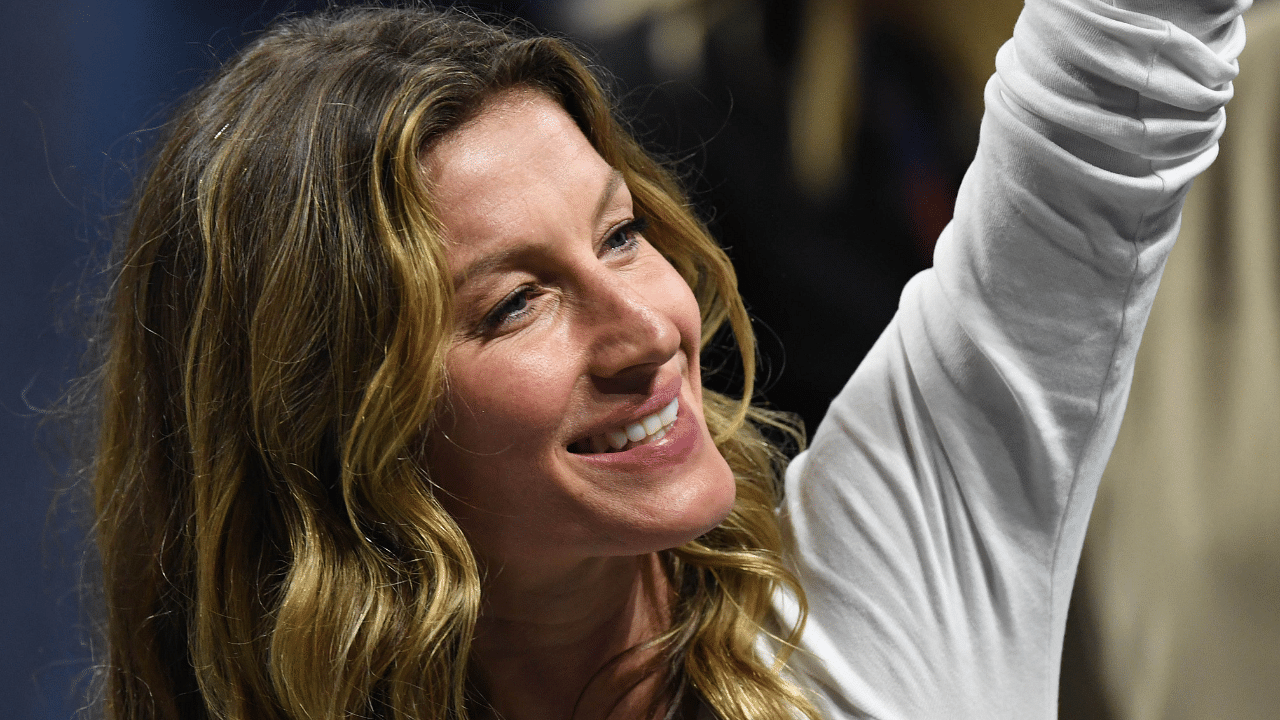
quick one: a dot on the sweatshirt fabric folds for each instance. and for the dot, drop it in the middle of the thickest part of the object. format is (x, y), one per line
(938, 515)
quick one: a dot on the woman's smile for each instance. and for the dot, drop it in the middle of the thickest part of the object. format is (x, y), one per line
(658, 440)
(573, 423)
(651, 427)
(626, 430)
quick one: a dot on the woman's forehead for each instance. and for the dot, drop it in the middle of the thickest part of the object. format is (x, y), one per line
(521, 167)
(518, 134)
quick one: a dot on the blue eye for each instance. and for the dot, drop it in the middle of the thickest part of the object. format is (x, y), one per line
(627, 236)
(517, 304)
(510, 308)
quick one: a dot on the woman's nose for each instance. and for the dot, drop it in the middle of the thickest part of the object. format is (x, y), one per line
(631, 334)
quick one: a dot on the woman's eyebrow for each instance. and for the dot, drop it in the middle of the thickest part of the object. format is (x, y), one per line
(610, 189)
(484, 265)
(489, 263)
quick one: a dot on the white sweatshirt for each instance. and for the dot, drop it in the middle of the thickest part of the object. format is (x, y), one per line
(939, 513)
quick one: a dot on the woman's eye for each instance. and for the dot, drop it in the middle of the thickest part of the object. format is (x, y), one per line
(626, 236)
(509, 309)
(514, 306)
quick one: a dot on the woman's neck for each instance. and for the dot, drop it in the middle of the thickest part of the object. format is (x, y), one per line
(552, 648)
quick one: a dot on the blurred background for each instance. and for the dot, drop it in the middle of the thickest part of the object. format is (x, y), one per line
(823, 140)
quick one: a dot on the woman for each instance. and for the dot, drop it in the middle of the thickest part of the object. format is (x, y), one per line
(402, 413)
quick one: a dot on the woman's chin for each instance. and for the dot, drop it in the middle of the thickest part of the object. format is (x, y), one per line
(719, 502)
(709, 501)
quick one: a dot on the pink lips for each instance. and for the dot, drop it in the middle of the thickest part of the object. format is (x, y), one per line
(681, 440)
(627, 415)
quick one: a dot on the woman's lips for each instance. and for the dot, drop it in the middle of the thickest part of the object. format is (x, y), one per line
(671, 444)
(649, 428)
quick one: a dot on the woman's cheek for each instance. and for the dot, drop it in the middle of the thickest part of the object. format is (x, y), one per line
(517, 393)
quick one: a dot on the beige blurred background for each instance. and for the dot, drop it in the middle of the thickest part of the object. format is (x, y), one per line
(1181, 573)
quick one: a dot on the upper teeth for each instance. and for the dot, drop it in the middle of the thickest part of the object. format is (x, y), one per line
(655, 424)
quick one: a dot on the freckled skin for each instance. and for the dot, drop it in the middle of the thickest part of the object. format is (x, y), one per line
(605, 323)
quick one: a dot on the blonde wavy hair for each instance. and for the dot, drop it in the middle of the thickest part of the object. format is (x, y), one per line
(274, 356)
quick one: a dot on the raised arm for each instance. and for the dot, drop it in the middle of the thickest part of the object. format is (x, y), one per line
(939, 514)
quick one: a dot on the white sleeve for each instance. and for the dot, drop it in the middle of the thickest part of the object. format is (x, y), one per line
(939, 514)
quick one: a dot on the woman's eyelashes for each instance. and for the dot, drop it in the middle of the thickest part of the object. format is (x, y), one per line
(626, 236)
(509, 310)
(516, 305)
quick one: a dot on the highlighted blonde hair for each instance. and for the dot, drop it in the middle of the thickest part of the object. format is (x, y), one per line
(270, 545)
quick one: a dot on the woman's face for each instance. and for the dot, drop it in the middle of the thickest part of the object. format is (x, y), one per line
(573, 425)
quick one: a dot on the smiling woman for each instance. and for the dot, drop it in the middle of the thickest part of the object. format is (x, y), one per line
(578, 331)
(403, 365)
(402, 413)
(571, 439)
